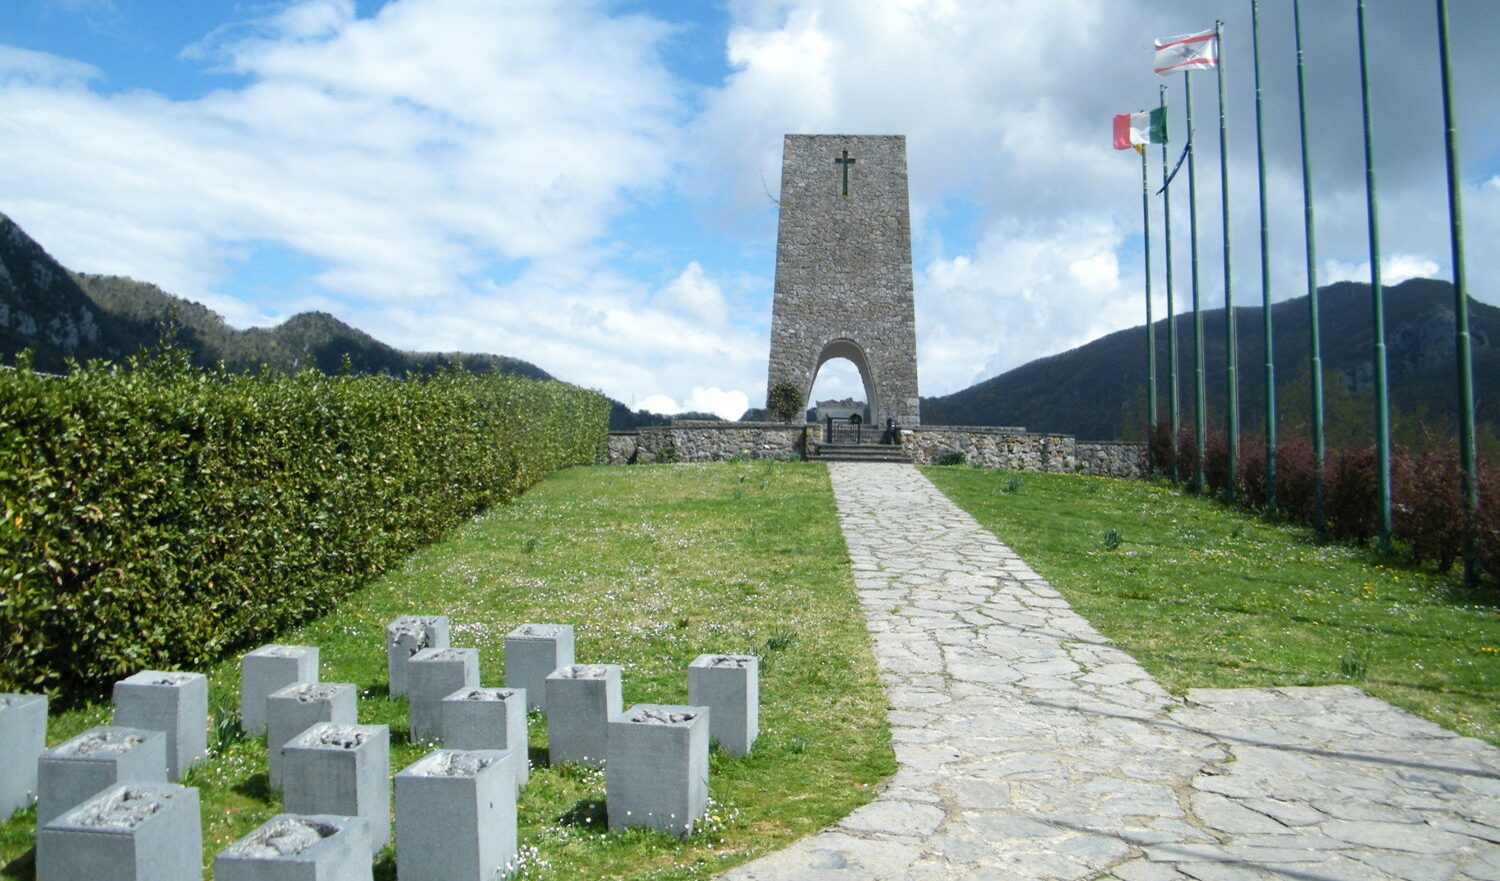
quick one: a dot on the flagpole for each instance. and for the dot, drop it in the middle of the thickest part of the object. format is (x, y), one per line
(1231, 353)
(1166, 210)
(1265, 270)
(1469, 467)
(1200, 417)
(1315, 347)
(1377, 300)
(1150, 328)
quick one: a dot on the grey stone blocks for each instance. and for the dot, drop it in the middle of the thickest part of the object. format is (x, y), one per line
(657, 775)
(130, 832)
(405, 637)
(532, 652)
(343, 770)
(431, 675)
(293, 847)
(82, 766)
(729, 685)
(456, 817)
(295, 708)
(488, 718)
(268, 669)
(581, 698)
(176, 703)
(23, 737)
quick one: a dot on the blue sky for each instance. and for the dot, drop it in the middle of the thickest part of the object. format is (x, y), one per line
(588, 185)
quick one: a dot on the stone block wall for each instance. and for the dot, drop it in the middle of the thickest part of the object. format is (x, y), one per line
(1015, 449)
(709, 442)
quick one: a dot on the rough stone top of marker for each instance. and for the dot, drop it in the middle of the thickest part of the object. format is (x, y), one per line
(102, 743)
(279, 651)
(124, 808)
(451, 763)
(582, 671)
(327, 735)
(662, 716)
(538, 631)
(486, 694)
(740, 661)
(311, 692)
(449, 654)
(285, 837)
(156, 677)
(6, 700)
(414, 625)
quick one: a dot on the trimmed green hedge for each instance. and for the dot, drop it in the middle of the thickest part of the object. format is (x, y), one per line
(159, 515)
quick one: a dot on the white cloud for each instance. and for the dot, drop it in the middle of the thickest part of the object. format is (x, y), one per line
(694, 295)
(725, 404)
(1394, 269)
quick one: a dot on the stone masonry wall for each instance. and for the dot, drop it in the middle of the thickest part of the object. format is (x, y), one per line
(708, 442)
(1010, 448)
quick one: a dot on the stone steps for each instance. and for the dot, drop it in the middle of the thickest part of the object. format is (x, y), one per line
(857, 453)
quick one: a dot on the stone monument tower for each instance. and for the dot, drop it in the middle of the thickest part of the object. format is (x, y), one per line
(843, 269)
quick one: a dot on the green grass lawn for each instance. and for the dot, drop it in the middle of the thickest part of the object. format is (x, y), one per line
(1211, 597)
(653, 566)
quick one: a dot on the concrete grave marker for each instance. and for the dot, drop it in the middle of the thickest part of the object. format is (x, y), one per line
(23, 737)
(581, 698)
(130, 832)
(405, 637)
(81, 767)
(293, 847)
(532, 652)
(431, 675)
(729, 685)
(293, 709)
(456, 816)
(268, 669)
(176, 703)
(488, 718)
(343, 770)
(657, 773)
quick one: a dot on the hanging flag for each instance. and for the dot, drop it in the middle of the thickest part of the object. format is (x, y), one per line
(1178, 166)
(1187, 52)
(1136, 129)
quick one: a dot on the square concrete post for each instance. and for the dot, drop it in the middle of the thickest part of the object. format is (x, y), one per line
(129, 832)
(532, 652)
(267, 669)
(293, 847)
(657, 775)
(431, 675)
(488, 718)
(405, 637)
(729, 685)
(295, 708)
(581, 698)
(343, 770)
(79, 768)
(23, 737)
(456, 817)
(176, 703)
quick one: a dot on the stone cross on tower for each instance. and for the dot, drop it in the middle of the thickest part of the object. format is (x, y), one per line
(843, 270)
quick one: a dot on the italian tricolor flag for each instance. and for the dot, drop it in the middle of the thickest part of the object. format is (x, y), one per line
(1136, 129)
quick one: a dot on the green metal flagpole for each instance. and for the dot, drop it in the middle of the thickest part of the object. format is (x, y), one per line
(1469, 467)
(1150, 328)
(1265, 270)
(1200, 481)
(1377, 299)
(1231, 351)
(1166, 210)
(1315, 346)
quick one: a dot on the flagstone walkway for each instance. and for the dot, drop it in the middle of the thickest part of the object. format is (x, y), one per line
(1032, 748)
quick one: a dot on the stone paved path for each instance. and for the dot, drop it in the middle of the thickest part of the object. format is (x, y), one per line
(1032, 748)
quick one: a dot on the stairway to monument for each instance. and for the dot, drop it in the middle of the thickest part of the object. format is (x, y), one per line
(857, 453)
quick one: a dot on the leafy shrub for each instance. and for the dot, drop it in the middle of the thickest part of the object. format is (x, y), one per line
(159, 515)
(1427, 509)
(1351, 495)
(951, 457)
(785, 400)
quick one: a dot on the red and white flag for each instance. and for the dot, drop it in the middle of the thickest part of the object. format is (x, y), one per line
(1187, 52)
